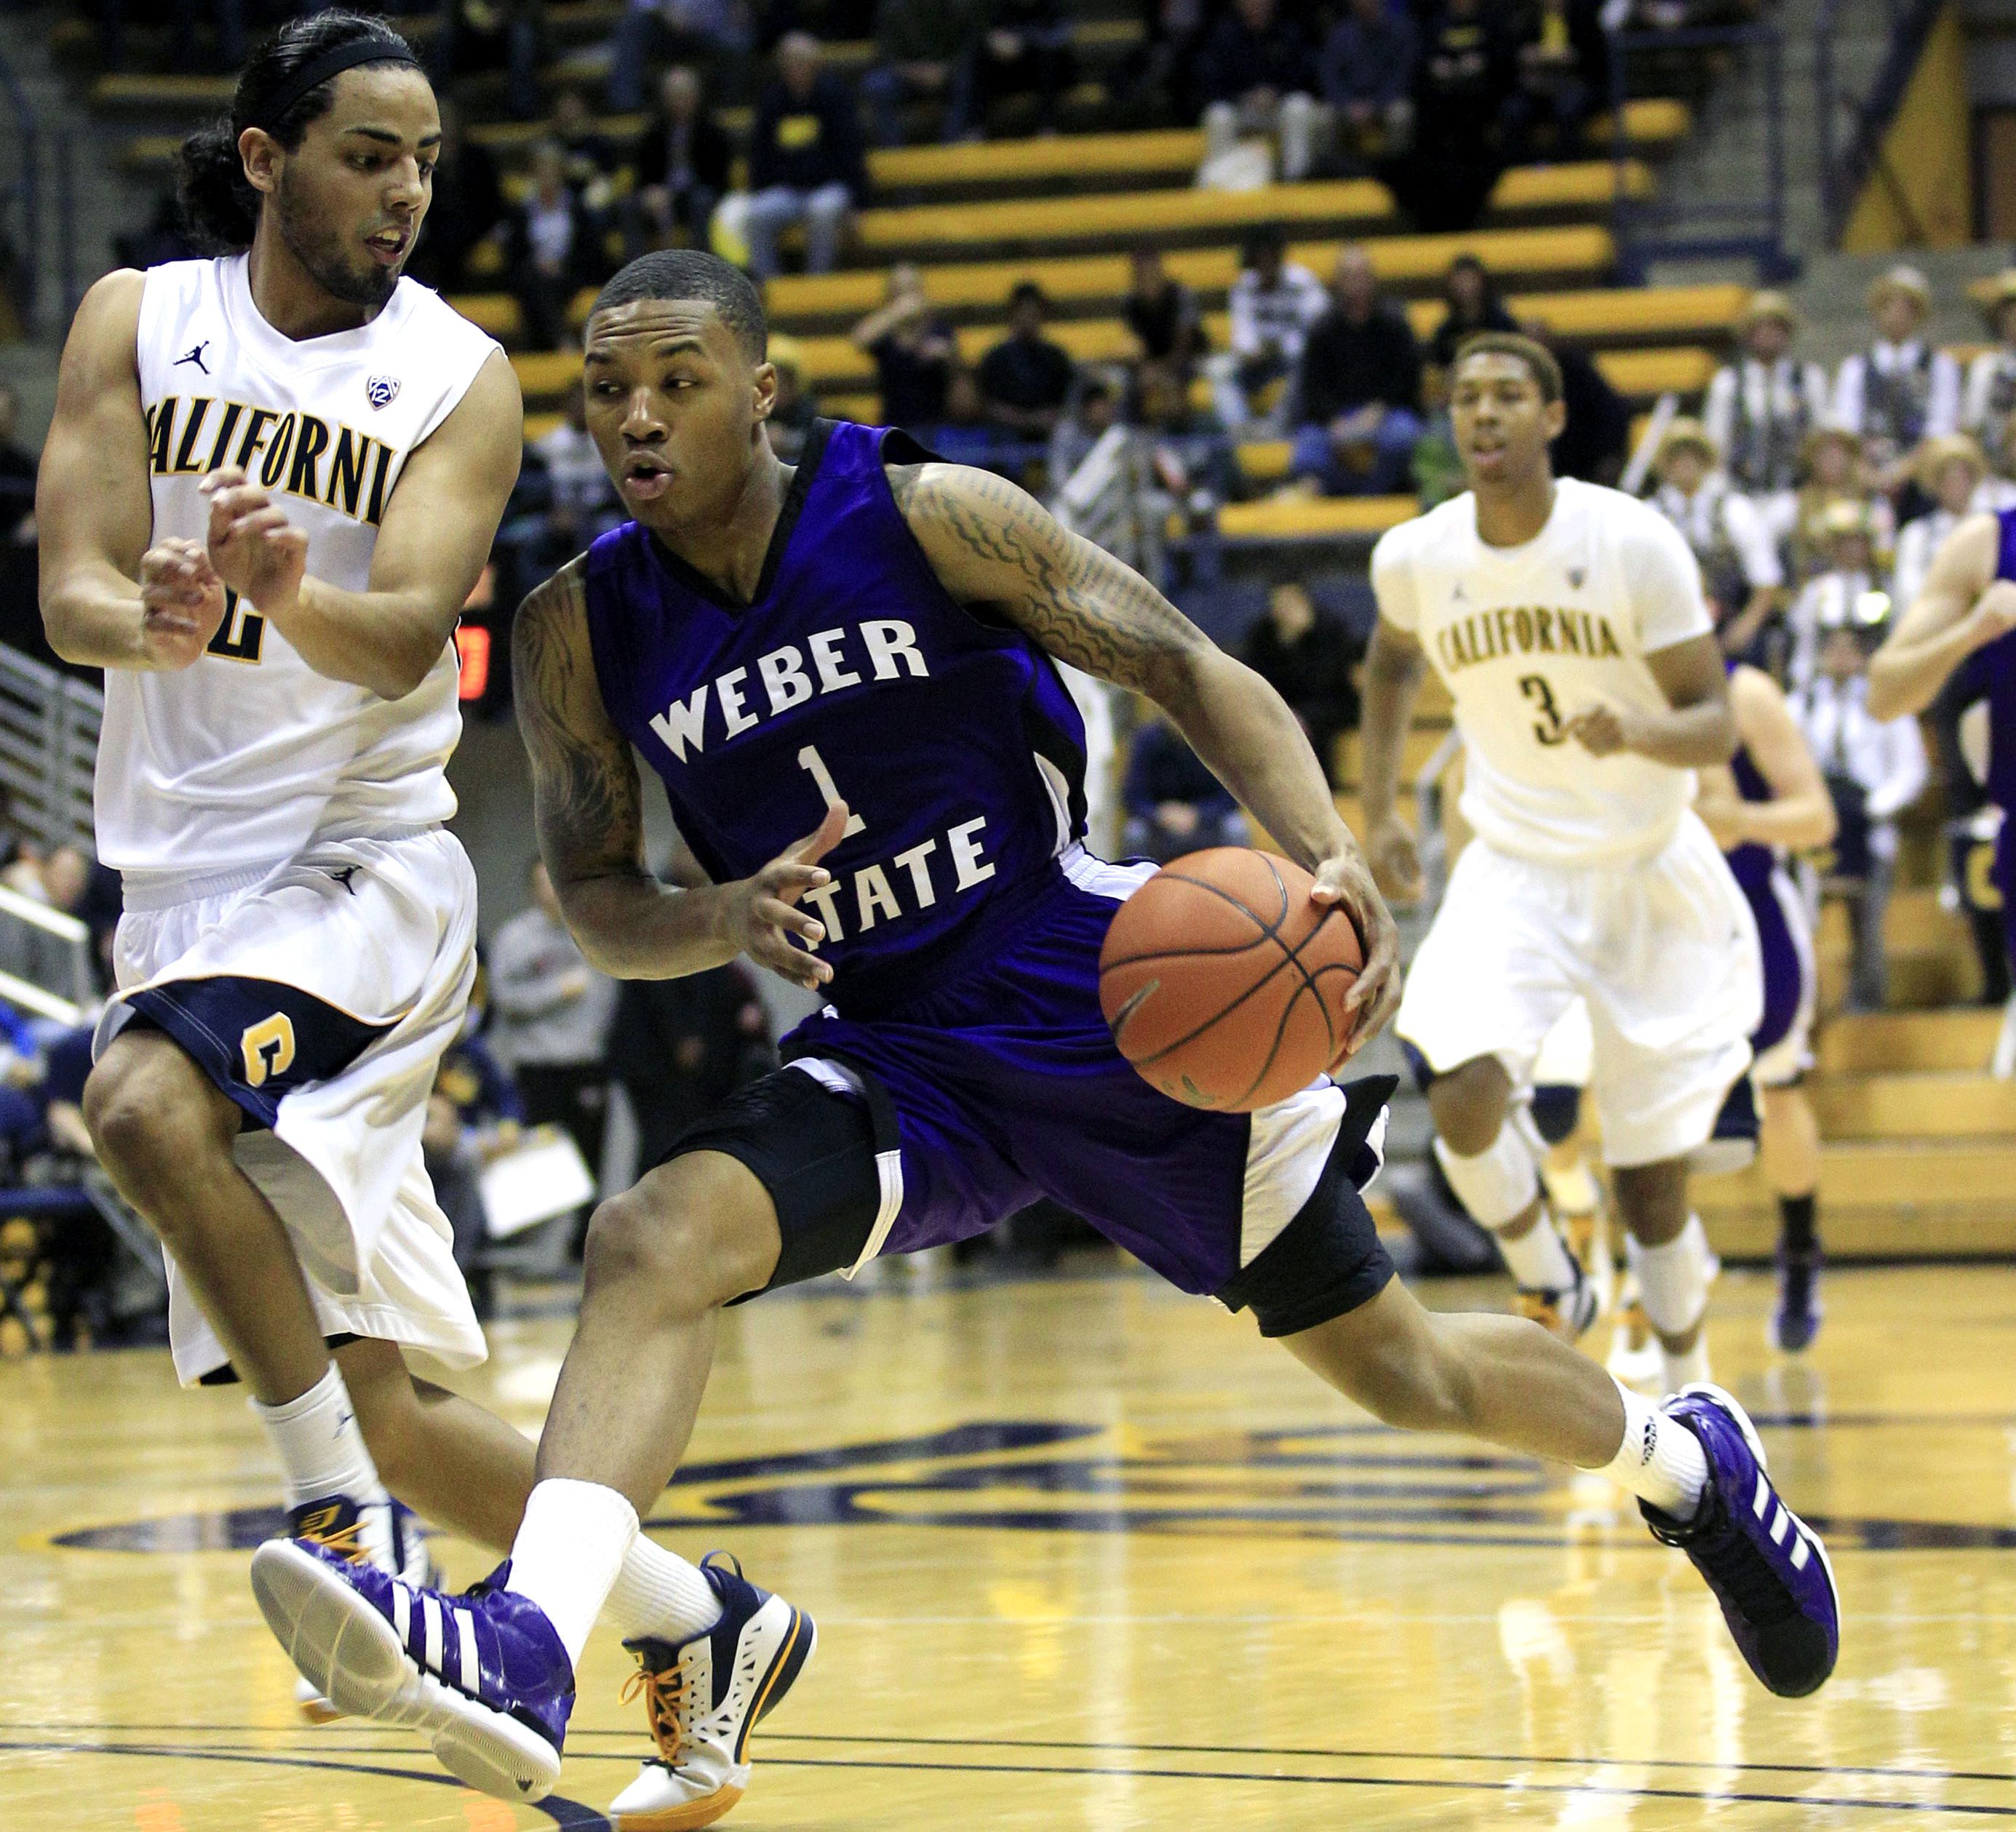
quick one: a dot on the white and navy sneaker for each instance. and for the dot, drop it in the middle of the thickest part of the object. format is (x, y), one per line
(1766, 1566)
(703, 1696)
(386, 1534)
(1569, 1313)
(485, 1675)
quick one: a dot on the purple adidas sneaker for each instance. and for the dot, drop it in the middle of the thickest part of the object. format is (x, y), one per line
(485, 1674)
(1766, 1566)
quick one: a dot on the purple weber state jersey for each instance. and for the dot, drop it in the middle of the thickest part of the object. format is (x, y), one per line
(1784, 939)
(1989, 674)
(853, 675)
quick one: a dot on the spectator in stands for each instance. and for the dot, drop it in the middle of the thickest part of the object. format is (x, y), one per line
(683, 162)
(1595, 440)
(805, 159)
(1563, 73)
(478, 35)
(713, 34)
(1274, 301)
(1848, 591)
(1025, 49)
(1194, 460)
(966, 435)
(1830, 471)
(473, 1112)
(1991, 378)
(553, 1016)
(17, 473)
(591, 159)
(1762, 405)
(553, 249)
(165, 238)
(1025, 378)
(1162, 73)
(1258, 70)
(467, 209)
(915, 351)
(1470, 305)
(681, 1047)
(1360, 389)
(794, 410)
(1874, 769)
(1309, 656)
(578, 502)
(1953, 473)
(1367, 71)
(924, 51)
(1103, 476)
(1730, 538)
(1174, 804)
(1900, 389)
(1161, 312)
(1467, 70)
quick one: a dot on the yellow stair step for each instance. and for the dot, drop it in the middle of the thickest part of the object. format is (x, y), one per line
(1903, 1106)
(1333, 517)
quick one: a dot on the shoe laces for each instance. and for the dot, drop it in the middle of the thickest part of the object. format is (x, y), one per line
(663, 1692)
(346, 1541)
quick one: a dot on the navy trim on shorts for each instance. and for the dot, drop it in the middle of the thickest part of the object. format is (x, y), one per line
(258, 1040)
(1329, 1261)
(227, 1376)
(814, 1151)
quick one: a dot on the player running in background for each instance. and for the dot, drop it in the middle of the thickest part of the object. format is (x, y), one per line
(877, 627)
(271, 480)
(1569, 625)
(1770, 801)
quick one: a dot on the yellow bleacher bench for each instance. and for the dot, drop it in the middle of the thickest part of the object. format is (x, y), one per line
(1315, 518)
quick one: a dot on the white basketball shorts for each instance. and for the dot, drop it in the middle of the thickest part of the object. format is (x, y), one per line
(320, 995)
(1664, 951)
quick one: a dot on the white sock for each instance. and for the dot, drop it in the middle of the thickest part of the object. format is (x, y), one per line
(1685, 1370)
(1660, 1460)
(571, 1545)
(657, 1593)
(1672, 1280)
(1539, 1258)
(321, 1450)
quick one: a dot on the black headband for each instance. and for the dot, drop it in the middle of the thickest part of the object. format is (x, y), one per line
(332, 63)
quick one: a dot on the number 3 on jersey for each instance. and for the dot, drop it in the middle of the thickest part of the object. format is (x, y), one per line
(810, 759)
(1547, 727)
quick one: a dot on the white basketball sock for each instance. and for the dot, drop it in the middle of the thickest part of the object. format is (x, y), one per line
(1690, 1370)
(321, 1451)
(1660, 1460)
(1539, 1258)
(1672, 1278)
(657, 1593)
(571, 1545)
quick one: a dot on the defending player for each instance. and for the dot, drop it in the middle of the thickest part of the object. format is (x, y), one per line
(1569, 625)
(271, 482)
(1770, 801)
(879, 626)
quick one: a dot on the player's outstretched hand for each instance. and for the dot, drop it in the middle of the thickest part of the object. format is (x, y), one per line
(763, 912)
(257, 551)
(1396, 861)
(1345, 879)
(182, 603)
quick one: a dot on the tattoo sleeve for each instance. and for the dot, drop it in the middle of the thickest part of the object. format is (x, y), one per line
(992, 544)
(584, 788)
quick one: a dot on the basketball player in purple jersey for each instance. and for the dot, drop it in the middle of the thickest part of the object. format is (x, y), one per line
(874, 635)
(1963, 628)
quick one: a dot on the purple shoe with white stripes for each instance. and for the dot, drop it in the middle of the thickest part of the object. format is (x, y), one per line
(483, 1674)
(1766, 1566)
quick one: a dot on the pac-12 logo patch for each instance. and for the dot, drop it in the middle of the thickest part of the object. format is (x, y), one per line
(381, 390)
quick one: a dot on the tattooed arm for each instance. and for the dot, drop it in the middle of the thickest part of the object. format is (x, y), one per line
(995, 548)
(585, 801)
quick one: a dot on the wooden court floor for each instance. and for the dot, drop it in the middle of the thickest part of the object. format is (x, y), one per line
(1085, 1554)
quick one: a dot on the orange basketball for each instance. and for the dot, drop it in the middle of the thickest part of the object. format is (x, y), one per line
(1224, 983)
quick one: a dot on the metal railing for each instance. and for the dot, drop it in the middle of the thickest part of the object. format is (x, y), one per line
(49, 747)
(1851, 128)
(1745, 224)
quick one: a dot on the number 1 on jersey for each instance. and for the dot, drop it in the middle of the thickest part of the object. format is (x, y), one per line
(809, 759)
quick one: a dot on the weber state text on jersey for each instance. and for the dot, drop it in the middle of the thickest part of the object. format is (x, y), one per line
(852, 675)
(244, 757)
(1522, 635)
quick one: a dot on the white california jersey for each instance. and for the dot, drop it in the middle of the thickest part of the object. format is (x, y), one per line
(1523, 636)
(243, 758)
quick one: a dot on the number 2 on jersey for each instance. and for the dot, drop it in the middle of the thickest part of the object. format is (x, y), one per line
(1546, 727)
(809, 759)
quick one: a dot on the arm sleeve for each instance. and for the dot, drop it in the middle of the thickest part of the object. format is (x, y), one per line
(1754, 546)
(1904, 770)
(1245, 335)
(1664, 581)
(1393, 582)
(1848, 387)
(1719, 416)
(1980, 378)
(1942, 409)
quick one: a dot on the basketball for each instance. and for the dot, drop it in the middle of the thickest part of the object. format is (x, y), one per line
(1224, 983)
